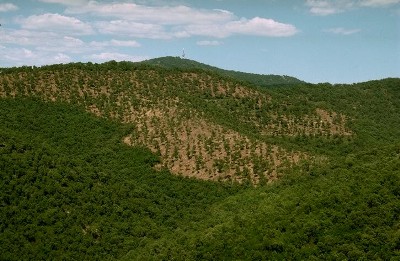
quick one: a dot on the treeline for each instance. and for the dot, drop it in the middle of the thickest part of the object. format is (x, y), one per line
(250, 78)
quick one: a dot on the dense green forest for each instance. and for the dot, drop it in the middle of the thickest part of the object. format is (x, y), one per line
(134, 161)
(71, 189)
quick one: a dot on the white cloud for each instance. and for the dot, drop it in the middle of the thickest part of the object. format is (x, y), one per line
(46, 41)
(54, 38)
(27, 53)
(167, 15)
(61, 58)
(225, 11)
(256, 26)
(261, 27)
(342, 31)
(64, 44)
(19, 56)
(66, 2)
(209, 43)
(26, 37)
(329, 7)
(166, 22)
(115, 43)
(377, 3)
(72, 41)
(8, 7)
(107, 56)
(23, 56)
(213, 30)
(56, 23)
(124, 43)
(132, 29)
(49, 48)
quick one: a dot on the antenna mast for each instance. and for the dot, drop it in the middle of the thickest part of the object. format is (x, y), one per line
(183, 54)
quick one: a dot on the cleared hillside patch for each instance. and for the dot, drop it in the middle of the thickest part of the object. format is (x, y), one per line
(170, 115)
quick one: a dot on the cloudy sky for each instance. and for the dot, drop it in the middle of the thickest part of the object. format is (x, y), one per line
(337, 41)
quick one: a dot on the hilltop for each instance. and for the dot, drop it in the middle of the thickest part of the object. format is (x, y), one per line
(256, 79)
(138, 161)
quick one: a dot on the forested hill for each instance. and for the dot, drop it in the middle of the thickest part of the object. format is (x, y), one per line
(256, 79)
(135, 161)
(208, 126)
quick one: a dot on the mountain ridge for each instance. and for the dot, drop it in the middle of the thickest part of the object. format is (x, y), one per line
(256, 79)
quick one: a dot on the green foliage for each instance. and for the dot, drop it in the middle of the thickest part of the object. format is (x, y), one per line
(337, 213)
(255, 79)
(70, 189)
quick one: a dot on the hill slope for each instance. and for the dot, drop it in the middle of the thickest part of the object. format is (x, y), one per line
(172, 114)
(256, 79)
(210, 127)
(71, 188)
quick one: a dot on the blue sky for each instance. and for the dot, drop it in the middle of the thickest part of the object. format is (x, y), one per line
(337, 41)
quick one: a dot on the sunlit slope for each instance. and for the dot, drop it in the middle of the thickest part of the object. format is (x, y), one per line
(207, 126)
(169, 110)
